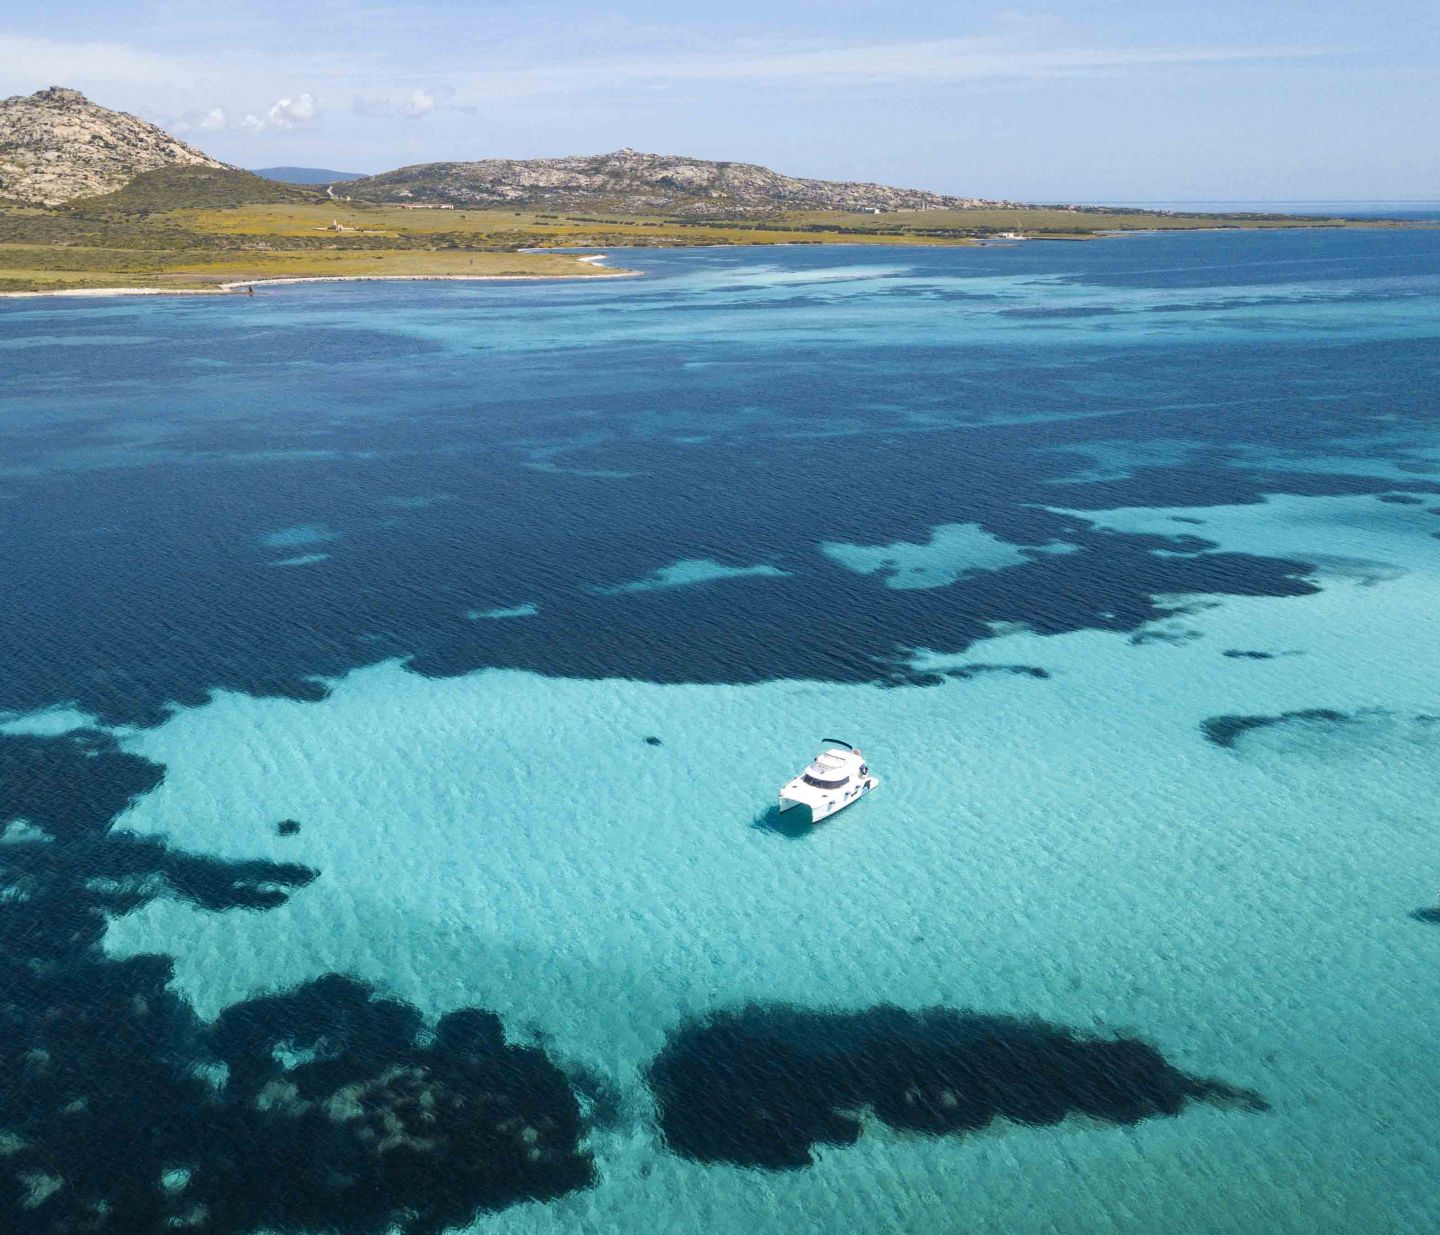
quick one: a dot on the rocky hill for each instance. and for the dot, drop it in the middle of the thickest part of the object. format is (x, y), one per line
(56, 145)
(633, 183)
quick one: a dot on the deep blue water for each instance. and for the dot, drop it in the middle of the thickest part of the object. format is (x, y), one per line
(463, 458)
(1417, 210)
(264, 556)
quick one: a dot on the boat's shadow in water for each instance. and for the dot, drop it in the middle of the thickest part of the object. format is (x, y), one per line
(792, 824)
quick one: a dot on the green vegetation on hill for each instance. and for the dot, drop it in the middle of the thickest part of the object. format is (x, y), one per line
(178, 188)
(123, 240)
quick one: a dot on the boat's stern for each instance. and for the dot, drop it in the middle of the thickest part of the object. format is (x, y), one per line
(820, 804)
(798, 793)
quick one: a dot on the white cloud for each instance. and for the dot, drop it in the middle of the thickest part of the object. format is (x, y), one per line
(211, 120)
(413, 104)
(286, 113)
(419, 102)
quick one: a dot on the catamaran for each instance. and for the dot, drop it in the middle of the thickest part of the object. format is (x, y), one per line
(838, 776)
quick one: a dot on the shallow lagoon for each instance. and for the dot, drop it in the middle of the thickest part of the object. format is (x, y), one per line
(1158, 733)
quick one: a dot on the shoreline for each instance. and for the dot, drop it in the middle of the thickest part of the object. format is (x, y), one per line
(233, 288)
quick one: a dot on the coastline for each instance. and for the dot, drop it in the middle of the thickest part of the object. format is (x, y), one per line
(594, 260)
(234, 287)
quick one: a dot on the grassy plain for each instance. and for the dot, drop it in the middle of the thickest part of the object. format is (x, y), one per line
(50, 269)
(794, 227)
(196, 231)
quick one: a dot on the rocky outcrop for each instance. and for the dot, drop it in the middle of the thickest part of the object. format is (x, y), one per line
(56, 145)
(634, 183)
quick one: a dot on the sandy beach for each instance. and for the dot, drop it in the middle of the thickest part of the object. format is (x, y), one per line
(238, 287)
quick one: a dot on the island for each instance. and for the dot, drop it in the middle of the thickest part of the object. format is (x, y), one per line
(94, 200)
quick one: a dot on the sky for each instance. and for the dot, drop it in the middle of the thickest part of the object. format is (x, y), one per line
(1048, 102)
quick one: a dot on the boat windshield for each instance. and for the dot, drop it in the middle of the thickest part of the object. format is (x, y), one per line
(823, 784)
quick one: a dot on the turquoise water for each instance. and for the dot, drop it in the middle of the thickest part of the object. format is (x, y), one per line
(1119, 560)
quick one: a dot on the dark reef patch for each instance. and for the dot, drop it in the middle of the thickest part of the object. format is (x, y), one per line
(1143, 637)
(287, 827)
(965, 672)
(1226, 730)
(67, 792)
(144, 627)
(72, 785)
(372, 1128)
(653, 741)
(898, 678)
(1427, 913)
(762, 1086)
(323, 1109)
(961, 673)
(1243, 654)
(120, 871)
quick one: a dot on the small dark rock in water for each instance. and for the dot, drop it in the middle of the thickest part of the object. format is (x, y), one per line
(652, 741)
(287, 827)
(1430, 913)
(1236, 654)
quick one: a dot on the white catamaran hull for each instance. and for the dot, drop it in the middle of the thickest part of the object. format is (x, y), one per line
(838, 776)
(822, 806)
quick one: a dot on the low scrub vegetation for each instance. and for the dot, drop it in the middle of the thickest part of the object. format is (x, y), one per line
(196, 227)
